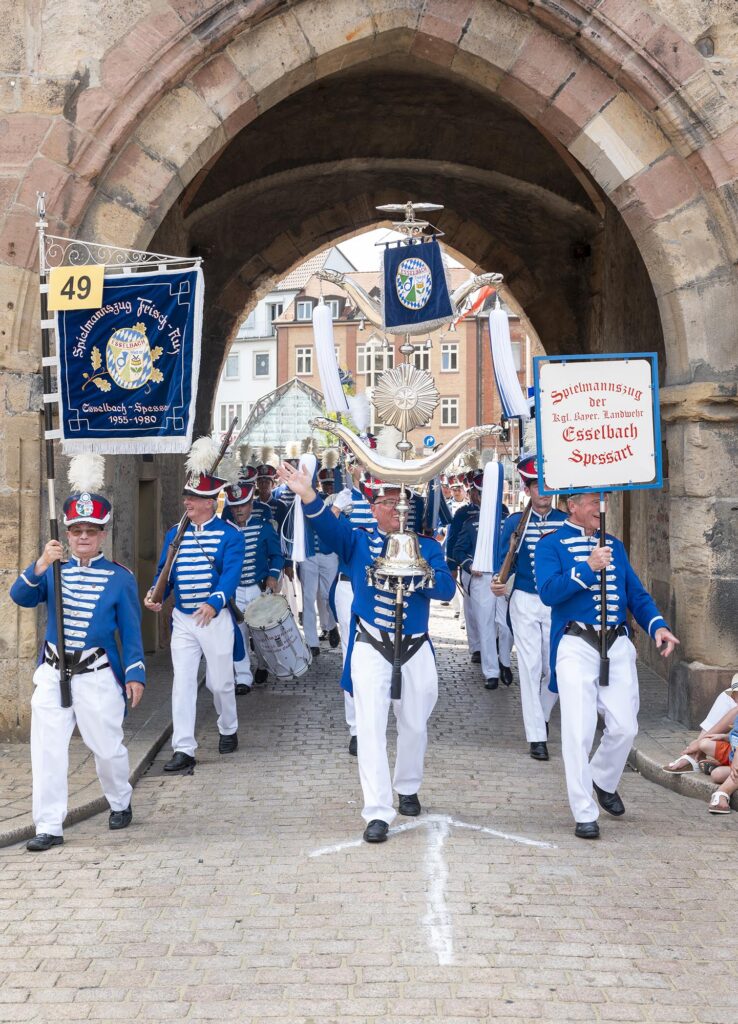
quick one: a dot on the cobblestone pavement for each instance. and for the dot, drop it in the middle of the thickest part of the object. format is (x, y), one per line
(242, 893)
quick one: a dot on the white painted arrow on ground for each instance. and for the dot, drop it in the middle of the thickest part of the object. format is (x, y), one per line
(437, 919)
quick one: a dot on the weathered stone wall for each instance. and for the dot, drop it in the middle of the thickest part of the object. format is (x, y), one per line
(122, 110)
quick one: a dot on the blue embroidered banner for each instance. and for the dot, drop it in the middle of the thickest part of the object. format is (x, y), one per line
(128, 371)
(415, 298)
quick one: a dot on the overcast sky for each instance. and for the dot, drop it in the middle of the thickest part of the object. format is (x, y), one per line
(364, 252)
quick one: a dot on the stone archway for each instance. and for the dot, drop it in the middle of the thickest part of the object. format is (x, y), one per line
(628, 113)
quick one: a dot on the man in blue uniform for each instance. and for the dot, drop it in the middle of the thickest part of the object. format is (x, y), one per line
(461, 513)
(262, 566)
(567, 567)
(204, 578)
(530, 618)
(368, 667)
(99, 598)
(317, 573)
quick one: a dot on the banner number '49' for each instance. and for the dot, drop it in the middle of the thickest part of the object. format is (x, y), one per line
(76, 287)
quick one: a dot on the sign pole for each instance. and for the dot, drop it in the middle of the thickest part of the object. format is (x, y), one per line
(65, 681)
(604, 659)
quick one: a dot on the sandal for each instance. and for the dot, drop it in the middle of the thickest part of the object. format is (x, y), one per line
(681, 766)
(708, 766)
(715, 807)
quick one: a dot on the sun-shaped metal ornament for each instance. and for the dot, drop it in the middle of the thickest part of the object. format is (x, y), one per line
(405, 397)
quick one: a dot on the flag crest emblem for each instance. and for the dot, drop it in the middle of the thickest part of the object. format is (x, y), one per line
(413, 283)
(128, 357)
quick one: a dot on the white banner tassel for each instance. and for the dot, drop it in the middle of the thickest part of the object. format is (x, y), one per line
(514, 403)
(307, 462)
(490, 519)
(333, 393)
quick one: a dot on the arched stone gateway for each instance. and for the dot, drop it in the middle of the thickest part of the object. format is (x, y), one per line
(586, 149)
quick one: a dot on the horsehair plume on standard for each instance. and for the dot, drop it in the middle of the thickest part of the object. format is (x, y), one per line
(244, 454)
(473, 459)
(292, 450)
(359, 411)
(387, 442)
(330, 458)
(86, 473)
(203, 453)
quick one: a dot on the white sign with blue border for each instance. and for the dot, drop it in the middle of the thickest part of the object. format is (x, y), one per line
(597, 422)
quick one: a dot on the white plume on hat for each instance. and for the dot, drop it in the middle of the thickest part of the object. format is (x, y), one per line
(359, 411)
(267, 453)
(387, 440)
(329, 459)
(86, 473)
(244, 454)
(203, 453)
(292, 451)
(229, 468)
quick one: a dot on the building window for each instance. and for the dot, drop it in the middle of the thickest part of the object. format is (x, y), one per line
(449, 412)
(421, 357)
(231, 367)
(305, 310)
(227, 411)
(372, 360)
(517, 354)
(449, 357)
(304, 358)
(261, 364)
(275, 309)
(335, 307)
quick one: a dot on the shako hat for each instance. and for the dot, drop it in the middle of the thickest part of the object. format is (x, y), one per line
(476, 480)
(240, 493)
(527, 467)
(84, 505)
(204, 486)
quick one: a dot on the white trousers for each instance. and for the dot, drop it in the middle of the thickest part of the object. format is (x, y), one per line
(489, 614)
(97, 710)
(242, 669)
(344, 597)
(189, 643)
(581, 698)
(531, 621)
(317, 574)
(472, 627)
(371, 675)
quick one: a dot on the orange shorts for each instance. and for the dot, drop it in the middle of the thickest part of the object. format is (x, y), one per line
(722, 752)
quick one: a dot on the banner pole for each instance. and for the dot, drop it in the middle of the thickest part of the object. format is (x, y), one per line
(604, 659)
(65, 683)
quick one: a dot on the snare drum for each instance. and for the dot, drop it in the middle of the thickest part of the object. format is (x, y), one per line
(276, 636)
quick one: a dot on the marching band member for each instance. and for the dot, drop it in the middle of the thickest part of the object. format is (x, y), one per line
(368, 667)
(567, 569)
(99, 599)
(265, 477)
(204, 578)
(470, 510)
(261, 570)
(530, 618)
(317, 573)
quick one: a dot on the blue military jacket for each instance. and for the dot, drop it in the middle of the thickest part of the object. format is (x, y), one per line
(572, 590)
(99, 600)
(460, 517)
(357, 549)
(263, 554)
(194, 579)
(524, 563)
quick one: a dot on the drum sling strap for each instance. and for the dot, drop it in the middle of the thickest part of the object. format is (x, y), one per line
(410, 645)
(235, 610)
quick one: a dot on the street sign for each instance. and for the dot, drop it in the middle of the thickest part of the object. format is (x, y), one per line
(429, 441)
(597, 422)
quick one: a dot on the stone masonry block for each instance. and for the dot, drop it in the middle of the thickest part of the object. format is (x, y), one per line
(139, 178)
(544, 63)
(109, 221)
(619, 143)
(445, 19)
(177, 127)
(218, 79)
(20, 137)
(68, 42)
(585, 94)
(267, 52)
(663, 187)
(496, 34)
(330, 28)
(689, 239)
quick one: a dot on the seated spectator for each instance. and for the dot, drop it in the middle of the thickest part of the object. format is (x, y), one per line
(727, 777)
(711, 748)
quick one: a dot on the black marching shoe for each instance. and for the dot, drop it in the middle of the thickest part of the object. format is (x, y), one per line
(353, 746)
(610, 802)
(334, 637)
(408, 804)
(315, 651)
(376, 831)
(227, 744)
(506, 674)
(43, 841)
(492, 683)
(323, 635)
(179, 761)
(261, 675)
(476, 658)
(539, 751)
(587, 830)
(242, 689)
(120, 819)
